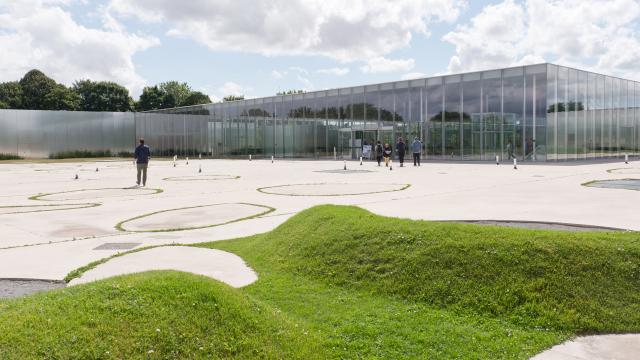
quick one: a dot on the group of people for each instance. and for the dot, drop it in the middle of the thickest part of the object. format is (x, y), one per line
(385, 152)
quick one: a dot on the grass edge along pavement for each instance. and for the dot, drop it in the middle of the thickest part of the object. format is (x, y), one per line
(361, 284)
(119, 226)
(158, 314)
(541, 287)
(262, 190)
(39, 197)
(591, 182)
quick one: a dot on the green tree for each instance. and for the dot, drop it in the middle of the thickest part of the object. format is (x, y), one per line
(179, 92)
(233, 98)
(196, 98)
(102, 96)
(35, 86)
(11, 95)
(152, 98)
(61, 98)
(290, 92)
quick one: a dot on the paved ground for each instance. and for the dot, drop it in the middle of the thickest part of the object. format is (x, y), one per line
(49, 244)
(73, 222)
(216, 264)
(602, 347)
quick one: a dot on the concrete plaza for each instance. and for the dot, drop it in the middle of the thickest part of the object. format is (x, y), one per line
(68, 223)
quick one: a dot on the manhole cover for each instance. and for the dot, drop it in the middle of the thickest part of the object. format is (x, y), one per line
(12, 288)
(117, 246)
(627, 184)
(344, 171)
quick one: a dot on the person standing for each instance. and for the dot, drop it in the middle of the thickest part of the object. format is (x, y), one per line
(387, 154)
(510, 150)
(416, 148)
(400, 149)
(142, 155)
(379, 152)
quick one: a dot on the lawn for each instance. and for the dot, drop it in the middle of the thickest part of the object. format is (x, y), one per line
(340, 282)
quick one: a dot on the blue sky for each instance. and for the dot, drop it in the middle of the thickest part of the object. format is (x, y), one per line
(259, 47)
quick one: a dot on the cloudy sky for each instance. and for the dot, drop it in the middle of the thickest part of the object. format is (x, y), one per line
(259, 47)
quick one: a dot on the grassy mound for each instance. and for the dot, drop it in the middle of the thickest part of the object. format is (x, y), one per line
(487, 291)
(154, 314)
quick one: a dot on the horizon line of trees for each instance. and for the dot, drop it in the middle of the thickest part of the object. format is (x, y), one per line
(37, 91)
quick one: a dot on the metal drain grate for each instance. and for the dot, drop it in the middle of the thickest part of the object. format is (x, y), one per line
(117, 246)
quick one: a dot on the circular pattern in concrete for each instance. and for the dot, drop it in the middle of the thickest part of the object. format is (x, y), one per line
(211, 177)
(21, 209)
(220, 265)
(193, 217)
(626, 184)
(90, 194)
(625, 171)
(332, 189)
(12, 288)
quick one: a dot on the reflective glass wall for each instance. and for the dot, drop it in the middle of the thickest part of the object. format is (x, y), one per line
(591, 115)
(533, 113)
(40, 134)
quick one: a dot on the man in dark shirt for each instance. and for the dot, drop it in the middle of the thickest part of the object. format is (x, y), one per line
(142, 156)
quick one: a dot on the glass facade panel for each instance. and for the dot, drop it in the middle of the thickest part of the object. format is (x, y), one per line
(435, 102)
(452, 117)
(472, 130)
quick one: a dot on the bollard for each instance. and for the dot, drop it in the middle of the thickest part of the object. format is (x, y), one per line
(335, 154)
(497, 160)
(200, 156)
(249, 157)
(96, 169)
(76, 177)
(187, 160)
(175, 157)
(272, 159)
(199, 168)
(360, 160)
(390, 164)
(515, 164)
(626, 158)
(345, 165)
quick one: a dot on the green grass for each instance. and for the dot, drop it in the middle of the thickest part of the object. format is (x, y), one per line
(151, 315)
(10, 157)
(340, 282)
(382, 287)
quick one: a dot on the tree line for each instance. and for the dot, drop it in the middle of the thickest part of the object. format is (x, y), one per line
(36, 91)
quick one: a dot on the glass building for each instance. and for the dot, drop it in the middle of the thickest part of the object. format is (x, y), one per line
(539, 112)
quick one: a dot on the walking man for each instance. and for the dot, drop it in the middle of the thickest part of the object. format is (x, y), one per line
(142, 156)
(510, 150)
(416, 147)
(400, 149)
(378, 151)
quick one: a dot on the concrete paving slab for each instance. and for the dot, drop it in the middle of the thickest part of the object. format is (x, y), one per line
(597, 347)
(216, 264)
(332, 189)
(193, 217)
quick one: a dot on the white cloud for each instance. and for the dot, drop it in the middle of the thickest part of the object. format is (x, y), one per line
(278, 74)
(299, 70)
(413, 75)
(346, 31)
(232, 88)
(307, 85)
(43, 35)
(598, 35)
(337, 71)
(384, 65)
